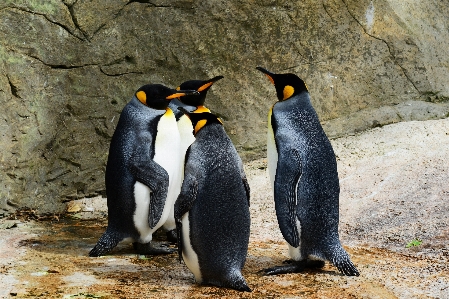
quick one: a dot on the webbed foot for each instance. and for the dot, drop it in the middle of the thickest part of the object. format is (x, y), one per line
(172, 237)
(294, 267)
(153, 248)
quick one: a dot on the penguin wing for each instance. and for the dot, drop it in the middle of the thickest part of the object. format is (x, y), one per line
(151, 174)
(244, 181)
(288, 174)
(183, 204)
(246, 185)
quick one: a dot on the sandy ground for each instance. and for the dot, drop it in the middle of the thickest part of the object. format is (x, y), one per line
(394, 190)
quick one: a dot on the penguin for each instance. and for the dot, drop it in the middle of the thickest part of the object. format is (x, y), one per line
(190, 103)
(212, 211)
(303, 172)
(143, 156)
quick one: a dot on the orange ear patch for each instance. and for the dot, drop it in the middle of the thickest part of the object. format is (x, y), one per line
(288, 91)
(142, 97)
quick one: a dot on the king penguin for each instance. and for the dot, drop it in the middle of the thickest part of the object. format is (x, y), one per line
(212, 210)
(303, 171)
(190, 103)
(139, 170)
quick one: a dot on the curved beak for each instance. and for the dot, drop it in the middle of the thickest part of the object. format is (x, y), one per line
(181, 93)
(269, 74)
(209, 83)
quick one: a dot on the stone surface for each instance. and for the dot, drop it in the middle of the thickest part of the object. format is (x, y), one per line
(68, 67)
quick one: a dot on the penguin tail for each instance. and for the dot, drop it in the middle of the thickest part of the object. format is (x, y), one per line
(242, 286)
(341, 260)
(105, 244)
(235, 281)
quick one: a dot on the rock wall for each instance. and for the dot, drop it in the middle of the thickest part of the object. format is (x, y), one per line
(68, 67)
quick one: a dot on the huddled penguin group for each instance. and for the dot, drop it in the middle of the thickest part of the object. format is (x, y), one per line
(171, 165)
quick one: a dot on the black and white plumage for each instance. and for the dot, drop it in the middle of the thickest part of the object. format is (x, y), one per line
(303, 171)
(212, 210)
(191, 103)
(143, 154)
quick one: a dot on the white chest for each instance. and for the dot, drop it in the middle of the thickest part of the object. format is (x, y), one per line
(188, 254)
(167, 155)
(272, 153)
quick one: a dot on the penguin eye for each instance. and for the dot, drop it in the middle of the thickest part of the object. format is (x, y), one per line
(288, 92)
(142, 97)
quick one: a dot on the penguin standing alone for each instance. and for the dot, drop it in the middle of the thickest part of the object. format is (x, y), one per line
(212, 210)
(190, 103)
(303, 171)
(139, 170)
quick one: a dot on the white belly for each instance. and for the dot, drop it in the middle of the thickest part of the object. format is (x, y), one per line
(166, 148)
(185, 130)
(188, 254)
(272, 153)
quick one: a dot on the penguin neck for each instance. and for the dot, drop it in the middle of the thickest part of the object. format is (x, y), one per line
(137, 107)
(208, 129)
(299, 102)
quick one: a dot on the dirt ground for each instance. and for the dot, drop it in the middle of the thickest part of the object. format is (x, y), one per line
(394, 192)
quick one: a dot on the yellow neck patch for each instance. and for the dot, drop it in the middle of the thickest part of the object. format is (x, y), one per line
(142, 97)
(288, 91)
(203, 87)
(201, 109)
(199, 125)
(169, 112)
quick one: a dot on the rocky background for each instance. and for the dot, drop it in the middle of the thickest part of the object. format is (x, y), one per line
(68, 67)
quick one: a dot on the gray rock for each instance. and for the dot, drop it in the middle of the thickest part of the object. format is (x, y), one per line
(68, 67)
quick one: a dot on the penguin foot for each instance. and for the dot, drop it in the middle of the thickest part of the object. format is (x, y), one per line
(340, 258)
(105, 244)
(294, 267)
(172, 236)
(347, 268)
(153, 248)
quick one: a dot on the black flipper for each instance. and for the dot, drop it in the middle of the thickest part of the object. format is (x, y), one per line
(183, 204)
(154, 176)
(245, 182)
(105, 244)
(287, 177)
(247, 189)
(294, 267)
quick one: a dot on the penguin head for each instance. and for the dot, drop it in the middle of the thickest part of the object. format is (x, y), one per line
(199, 85)
(158, 96)
(200, 118)
(287, 85)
